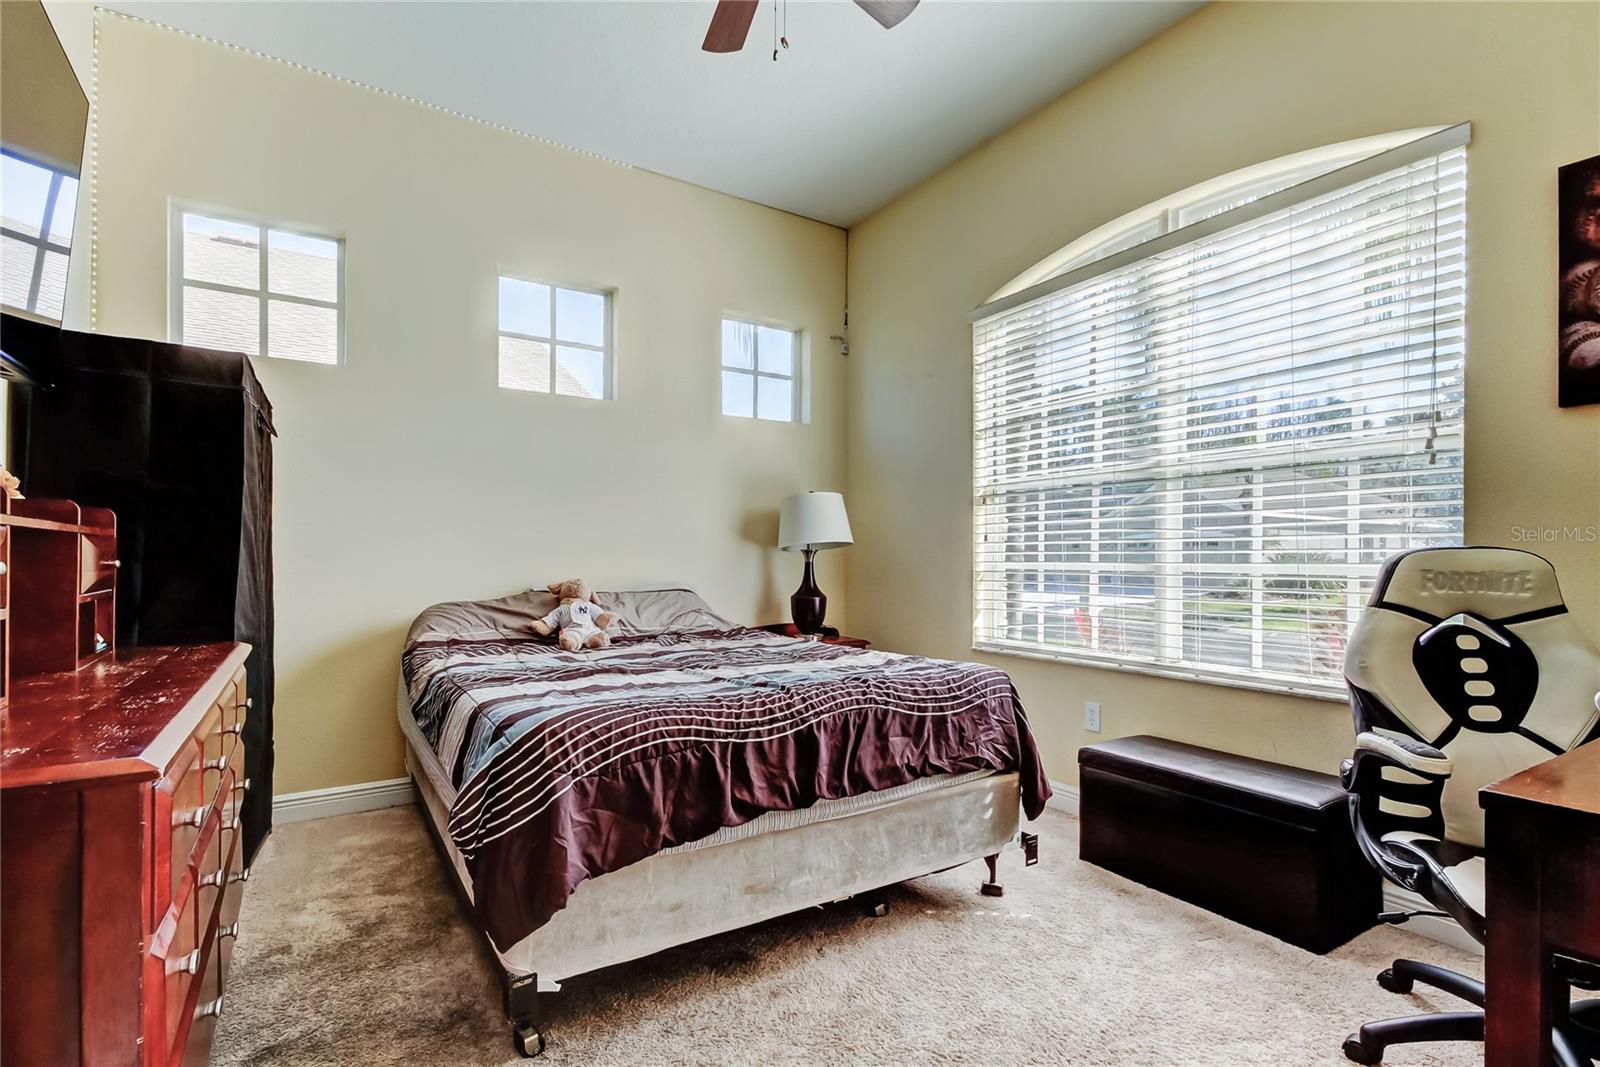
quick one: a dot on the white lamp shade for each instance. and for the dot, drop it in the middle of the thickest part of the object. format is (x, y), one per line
(813, 520)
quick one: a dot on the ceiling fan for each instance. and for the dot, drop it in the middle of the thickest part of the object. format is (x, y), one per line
(730, 23)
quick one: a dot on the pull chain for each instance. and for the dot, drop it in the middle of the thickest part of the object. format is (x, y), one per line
(779, 38)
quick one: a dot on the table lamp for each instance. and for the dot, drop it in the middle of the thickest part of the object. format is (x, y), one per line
(810, 522)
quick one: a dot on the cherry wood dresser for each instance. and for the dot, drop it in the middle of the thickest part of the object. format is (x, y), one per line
(120, 857)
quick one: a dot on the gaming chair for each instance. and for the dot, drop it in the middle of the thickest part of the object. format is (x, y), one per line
(1465, 668)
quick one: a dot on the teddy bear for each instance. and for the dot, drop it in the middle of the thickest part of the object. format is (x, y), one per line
(579, 620)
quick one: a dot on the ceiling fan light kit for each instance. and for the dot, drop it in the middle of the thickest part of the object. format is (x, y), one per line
(730, 22)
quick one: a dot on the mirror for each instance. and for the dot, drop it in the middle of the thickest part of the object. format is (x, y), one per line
(43, 118)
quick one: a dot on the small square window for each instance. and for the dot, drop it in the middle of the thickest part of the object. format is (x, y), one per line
(536, 319)
(760, 367)
(256, 289)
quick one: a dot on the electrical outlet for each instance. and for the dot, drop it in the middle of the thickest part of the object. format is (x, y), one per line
(1091, 716)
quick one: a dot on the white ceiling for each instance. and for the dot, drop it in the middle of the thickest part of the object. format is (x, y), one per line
(849, 117)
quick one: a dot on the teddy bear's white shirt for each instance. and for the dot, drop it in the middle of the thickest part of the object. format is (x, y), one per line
(575, 619)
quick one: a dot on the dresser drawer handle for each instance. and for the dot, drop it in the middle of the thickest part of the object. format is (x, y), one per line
(208, 1009)
(189, 964)
(231, 930)
(216, 878)
(218, 764)
(242, 786)
(242, 876)
(233, 824)
(191, 818)
(236, 728)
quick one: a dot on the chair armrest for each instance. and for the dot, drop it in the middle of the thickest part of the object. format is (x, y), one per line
(1409, 753)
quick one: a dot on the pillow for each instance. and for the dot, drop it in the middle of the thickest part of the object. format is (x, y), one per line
(638, 611)
(507, 615)
(645, 610)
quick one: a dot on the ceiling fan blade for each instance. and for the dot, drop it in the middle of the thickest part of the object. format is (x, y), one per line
(730, 24)
(888, 13)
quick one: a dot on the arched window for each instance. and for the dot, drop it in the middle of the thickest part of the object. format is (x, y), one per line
(1201, 427)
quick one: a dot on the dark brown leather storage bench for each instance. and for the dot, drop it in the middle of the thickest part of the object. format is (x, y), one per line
(1260, 843)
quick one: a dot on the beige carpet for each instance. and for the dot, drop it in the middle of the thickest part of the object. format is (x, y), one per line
(355, 951)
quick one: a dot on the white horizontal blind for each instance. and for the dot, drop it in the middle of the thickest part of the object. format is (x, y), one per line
(1195, 462)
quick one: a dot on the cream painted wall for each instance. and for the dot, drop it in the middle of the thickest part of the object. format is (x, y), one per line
(1234, 84)
(406, 477)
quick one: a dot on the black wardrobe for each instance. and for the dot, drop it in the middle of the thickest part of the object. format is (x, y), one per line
(178, 442)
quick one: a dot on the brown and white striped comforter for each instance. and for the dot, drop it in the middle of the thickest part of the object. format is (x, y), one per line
(571, 765)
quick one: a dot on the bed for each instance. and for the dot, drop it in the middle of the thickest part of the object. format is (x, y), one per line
(692, 778)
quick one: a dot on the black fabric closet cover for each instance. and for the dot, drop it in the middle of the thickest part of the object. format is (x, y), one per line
(178, 442)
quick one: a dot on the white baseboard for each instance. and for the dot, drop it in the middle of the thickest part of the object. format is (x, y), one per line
(341, 800)
(1432, 927)
(1063, 797)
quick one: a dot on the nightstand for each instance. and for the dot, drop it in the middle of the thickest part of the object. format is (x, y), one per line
(828, 636)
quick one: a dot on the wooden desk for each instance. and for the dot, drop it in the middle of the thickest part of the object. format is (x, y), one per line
(1542, 844)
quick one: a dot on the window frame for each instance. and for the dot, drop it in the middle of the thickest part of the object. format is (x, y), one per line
(1185, 207)
(176, 282)
(1105, 250)
(754, 371)
(42, 244)
(607, 349)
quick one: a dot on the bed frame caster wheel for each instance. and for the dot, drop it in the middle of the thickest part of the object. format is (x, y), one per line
(1394, 983)
(992, 888)
(529, 1039)
(1356, 1052)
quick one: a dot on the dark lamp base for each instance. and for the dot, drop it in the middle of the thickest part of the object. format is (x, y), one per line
(808, 605)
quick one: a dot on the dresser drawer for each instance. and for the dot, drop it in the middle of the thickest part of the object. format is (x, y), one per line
(218, 744)
(187, 812)
(236, 700)
(204, 770)
(227, 930)
(176, 953)
(210, 871)
(196, 1048)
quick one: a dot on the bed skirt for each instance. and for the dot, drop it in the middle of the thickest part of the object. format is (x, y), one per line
(685, 894)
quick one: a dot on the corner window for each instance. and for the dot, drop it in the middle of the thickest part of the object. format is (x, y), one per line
(260, 290)
(35, 235)
(760, 371)
(555, 339)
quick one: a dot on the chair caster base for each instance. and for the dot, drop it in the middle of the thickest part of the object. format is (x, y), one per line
(992, 889)
(1394, 983)
(1356, 1052)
